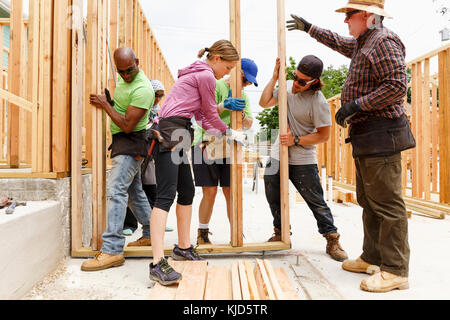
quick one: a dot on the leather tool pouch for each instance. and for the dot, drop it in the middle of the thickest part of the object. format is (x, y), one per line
(177, 133)
(381, 137)
(134, 144)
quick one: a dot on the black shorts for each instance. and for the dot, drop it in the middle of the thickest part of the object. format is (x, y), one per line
(207, 174)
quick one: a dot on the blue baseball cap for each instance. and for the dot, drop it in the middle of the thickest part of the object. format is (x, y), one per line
(250, 70)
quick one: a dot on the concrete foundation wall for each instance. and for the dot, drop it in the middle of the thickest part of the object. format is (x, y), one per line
(31, 247)
(54, 190)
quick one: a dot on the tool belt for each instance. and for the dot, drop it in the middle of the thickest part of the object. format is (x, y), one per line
(381, 137)
(134, 144)
(177, 133)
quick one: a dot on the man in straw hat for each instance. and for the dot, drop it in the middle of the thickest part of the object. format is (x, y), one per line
(372, 103)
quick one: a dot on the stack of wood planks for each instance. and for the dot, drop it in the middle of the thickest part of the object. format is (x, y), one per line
(242, 280)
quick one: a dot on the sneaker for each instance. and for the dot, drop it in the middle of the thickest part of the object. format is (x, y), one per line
(127, 232)
(186, 254)
(169, 229)
(164, 274)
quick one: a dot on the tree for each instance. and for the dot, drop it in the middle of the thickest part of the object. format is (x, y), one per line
(333, 78)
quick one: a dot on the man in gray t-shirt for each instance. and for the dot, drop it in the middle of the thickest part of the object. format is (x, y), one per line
(309, 121)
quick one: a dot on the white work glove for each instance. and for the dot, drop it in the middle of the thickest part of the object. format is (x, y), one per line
(237, 136)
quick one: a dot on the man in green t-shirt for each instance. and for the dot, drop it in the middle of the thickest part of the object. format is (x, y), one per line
(210, 159)
(133, 99)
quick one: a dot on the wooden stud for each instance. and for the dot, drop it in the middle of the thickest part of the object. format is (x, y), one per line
(236, 124)
(282, 105)
(444, 125)
(273, 280)
(426, 120)
(15, 58)
(244, 282)
(253, 288)
(263, 282)
(290, 293)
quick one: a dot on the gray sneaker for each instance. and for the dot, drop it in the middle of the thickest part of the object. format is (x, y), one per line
(164, 274)
(187, 254)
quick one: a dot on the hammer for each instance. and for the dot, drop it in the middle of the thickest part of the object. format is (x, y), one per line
(158, 137)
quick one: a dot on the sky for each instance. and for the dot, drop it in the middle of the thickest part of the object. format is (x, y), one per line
(183, 27)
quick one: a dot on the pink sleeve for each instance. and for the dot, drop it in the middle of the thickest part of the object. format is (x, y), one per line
(208, 115)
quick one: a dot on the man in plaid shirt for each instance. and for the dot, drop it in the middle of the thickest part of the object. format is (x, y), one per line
(372, 103)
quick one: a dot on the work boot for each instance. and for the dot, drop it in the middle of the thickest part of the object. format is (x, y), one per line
(384, 282)
(185, 254)
(103, 261)
(141, 242)
(164, 274)
(360, 266)
(203, 236)
(334, 248)
(276, 236)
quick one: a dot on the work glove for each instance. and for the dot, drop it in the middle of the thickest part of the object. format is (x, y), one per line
(298, 24)
(237, 136)
(234, 104)
(347, 112)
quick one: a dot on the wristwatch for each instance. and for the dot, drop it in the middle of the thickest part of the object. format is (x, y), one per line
(297, 141)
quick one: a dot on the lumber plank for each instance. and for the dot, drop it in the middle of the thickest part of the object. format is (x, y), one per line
(236, 124)
(263, 282)
(192, 286)
(254, 293)
(444, 124)
(15, 57)
(283, 119)
(273, 280)
(235, 281)
(160, 292)
(290, 293)
(218, 283)
(244, 282)
(76, 125)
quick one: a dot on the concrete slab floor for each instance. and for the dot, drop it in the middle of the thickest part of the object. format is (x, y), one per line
(315, 274)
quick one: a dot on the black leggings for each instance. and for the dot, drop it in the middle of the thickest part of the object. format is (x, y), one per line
(173, 174)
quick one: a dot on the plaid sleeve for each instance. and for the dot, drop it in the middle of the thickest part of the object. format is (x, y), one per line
(389, 69)
(344, 45)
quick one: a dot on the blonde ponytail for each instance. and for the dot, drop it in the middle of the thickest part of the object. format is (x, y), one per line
(222, 48)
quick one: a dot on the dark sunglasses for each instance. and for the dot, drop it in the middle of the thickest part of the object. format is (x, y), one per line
(128, 71)
(301, 82)
(348, 15)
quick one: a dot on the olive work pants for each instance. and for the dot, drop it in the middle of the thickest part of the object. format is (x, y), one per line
(379, 193)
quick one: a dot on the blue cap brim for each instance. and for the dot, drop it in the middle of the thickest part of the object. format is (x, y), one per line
(252, 79)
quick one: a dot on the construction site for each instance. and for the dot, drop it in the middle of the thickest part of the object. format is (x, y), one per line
(55, 165)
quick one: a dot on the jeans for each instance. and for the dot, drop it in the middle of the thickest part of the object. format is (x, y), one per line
(124, 189)
(307, 182)
(379, 192)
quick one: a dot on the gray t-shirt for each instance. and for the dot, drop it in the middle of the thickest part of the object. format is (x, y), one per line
(307, 111)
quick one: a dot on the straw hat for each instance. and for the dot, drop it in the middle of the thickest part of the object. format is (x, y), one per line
(372, 6)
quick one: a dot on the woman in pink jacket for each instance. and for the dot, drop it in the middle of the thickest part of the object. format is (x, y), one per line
(193, 95)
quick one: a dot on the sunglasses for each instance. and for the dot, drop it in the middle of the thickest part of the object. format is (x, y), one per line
(348, 15)
(128, 71)
(302, 82)
(159, 95)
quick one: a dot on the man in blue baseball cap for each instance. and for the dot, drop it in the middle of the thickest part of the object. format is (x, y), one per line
(210, 158)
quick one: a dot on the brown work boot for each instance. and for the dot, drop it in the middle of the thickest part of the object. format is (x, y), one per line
(203, 236)
(360, 266)
(141, 242)
(276, 236)
(334, 248)
(384, 282)
(103, 261)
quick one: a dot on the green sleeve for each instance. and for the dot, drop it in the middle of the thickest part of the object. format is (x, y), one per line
(248, 109)
(143, 97)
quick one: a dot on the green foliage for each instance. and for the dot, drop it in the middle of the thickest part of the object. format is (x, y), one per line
(334, 80)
